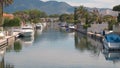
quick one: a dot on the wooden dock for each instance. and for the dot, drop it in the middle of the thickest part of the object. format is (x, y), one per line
(95, 36)
(3, 41)
(7, 38)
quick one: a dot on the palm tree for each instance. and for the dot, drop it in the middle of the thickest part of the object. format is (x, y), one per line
(80, 13)
(3, 3)
(97, 16)
(111, 21)
(84, 16)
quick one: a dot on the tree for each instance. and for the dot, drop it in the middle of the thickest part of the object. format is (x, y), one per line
(12, 22)
(35, 15)
(63, 17)
(23, 15)
(30, 15)
(3, 3)
(54, 16)
(111, 21)
(69, 18)
(82, 15)
(117, 8)
(97, 16)
(75, 16)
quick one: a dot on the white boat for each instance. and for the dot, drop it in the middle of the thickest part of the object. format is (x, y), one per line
(27, 30)
(71, 26)
(39, 25)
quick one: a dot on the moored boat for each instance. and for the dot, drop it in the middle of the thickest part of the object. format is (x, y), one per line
(27, 30)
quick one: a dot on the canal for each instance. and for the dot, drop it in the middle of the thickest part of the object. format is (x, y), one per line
(57, 48)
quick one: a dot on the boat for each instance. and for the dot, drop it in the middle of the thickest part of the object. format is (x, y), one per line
(27, 30)
(71, 26)
(111, 41)
(63, 24)
(39, 25)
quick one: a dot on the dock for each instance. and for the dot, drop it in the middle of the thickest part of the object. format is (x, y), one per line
(95, 36)
(8, 38)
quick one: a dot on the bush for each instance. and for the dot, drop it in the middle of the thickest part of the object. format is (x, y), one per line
(11, 22)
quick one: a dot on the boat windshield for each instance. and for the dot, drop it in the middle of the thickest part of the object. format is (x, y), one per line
(113, 38)
(26, 28)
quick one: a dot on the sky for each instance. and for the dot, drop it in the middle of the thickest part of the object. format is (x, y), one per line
(91, 3)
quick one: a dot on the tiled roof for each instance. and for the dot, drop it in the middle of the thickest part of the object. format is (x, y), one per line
(11, 16)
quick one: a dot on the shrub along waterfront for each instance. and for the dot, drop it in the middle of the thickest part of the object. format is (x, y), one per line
(11, 22)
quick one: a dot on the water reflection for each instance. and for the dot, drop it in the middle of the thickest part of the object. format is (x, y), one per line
(27, 40)
(4, 64)
(20, 43)
(16, 47)
(52, 34)
(58, 48)
(83, 43)
(112, 56)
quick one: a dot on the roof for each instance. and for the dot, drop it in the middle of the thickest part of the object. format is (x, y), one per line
(5, 15)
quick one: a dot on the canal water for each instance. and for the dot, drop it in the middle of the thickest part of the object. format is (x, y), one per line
(58, 48)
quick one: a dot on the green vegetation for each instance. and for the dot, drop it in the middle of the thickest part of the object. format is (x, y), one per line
(116, 8)
(54, 16)
(11, 22)
(30, 15)
(69, 18)
(82, 15)
(111, 21)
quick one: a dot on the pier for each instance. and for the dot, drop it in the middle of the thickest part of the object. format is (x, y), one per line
(8, 39)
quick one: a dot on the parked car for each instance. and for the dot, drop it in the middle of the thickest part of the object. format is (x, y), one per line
(111, 41)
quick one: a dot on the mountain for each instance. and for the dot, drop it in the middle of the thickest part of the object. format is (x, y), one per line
(50, 7)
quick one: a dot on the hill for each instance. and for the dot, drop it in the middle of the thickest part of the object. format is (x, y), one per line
(50, 7)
